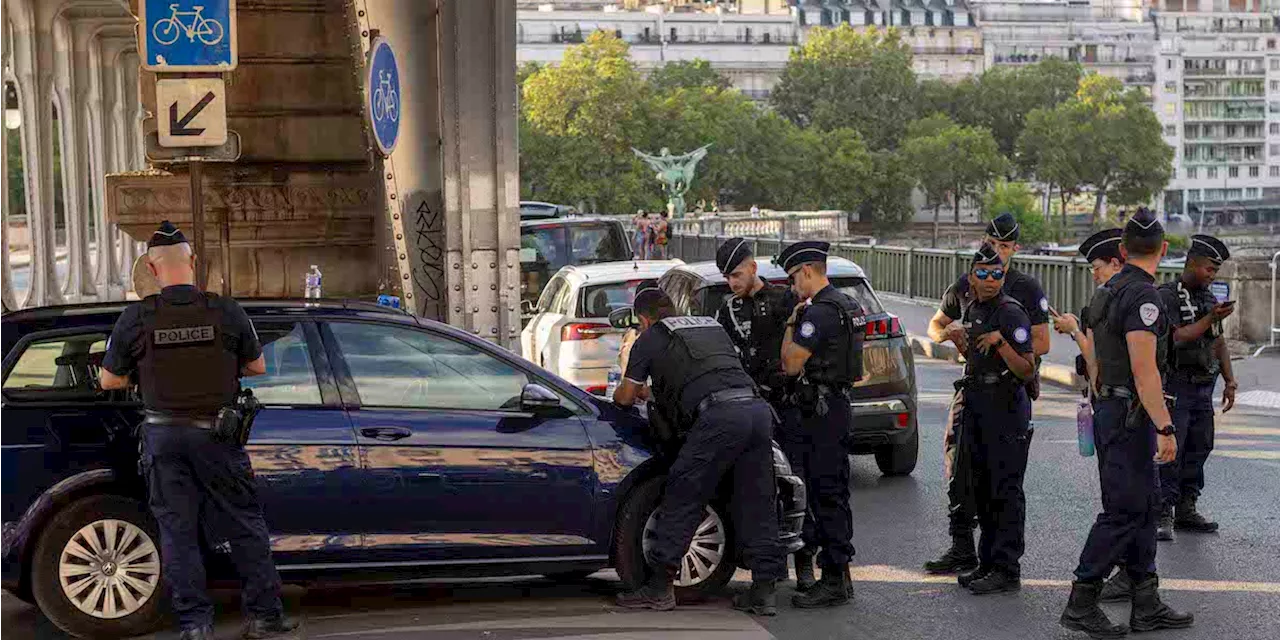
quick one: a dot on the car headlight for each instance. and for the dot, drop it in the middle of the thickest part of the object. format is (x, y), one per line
(780, 464)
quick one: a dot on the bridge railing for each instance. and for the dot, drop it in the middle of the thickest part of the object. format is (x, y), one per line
(782, 224)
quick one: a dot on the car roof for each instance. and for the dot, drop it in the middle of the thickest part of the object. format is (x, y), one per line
(837, 267)
(566, 220)
(613, 272)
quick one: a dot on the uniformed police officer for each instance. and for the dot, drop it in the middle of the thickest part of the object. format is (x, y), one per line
(1128, 328)
(1199, 354)
(822, 347)
(1102, 251)
(995, 422)
(698, 383)
(1002, 234)
(188, 350)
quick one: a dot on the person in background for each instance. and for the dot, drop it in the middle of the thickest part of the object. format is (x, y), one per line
(660, 229)
(641, 235)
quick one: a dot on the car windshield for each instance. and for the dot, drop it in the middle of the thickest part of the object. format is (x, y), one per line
(598, 301)
(857, 288)
(544, 249)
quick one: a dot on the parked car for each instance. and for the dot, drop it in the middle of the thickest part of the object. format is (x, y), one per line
(547, 245)
(390, 447)
(570, 334)
(534, 210)
(884, 401)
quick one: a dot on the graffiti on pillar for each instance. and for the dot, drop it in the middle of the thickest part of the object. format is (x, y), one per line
(425, 233)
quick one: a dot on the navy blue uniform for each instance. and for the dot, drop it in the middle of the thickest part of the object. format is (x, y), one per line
(756, 326)
(1125, 532)
(196, 484)
(1193, 372)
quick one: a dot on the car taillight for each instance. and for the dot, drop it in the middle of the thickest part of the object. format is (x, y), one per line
(583, 331)
(597, 389)
(884, 328)
(904, 419)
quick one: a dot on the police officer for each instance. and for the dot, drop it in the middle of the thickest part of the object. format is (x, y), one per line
(1199, 354)
(1128, 328)
(1002, 234)
(698, 383)
(1102, 251)
(822, 348)
(188, 350)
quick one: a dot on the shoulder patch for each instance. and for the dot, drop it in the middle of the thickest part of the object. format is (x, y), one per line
(1149, 313)
(1044, 304)
(1020, 334)
(807, 329)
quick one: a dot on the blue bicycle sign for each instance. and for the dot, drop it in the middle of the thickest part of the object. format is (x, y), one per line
(188, 35)
(382, 95)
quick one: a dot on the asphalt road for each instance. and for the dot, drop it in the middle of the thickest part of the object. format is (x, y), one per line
(1230, 580)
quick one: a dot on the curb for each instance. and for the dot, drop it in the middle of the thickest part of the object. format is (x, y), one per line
(1056, 374)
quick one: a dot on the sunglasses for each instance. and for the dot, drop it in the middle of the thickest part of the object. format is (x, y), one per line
(791, 277)
(996, 274)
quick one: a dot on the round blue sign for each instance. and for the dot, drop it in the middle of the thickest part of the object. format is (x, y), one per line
(382, 95)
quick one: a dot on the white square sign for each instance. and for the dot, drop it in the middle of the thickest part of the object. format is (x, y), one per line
(191, 112)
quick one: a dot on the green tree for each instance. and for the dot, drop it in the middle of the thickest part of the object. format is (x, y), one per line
(841, 77)
(1001, 98)
(1017, 199)
(1051, 148)
(687, 74)
(888, 189)
(951, 160)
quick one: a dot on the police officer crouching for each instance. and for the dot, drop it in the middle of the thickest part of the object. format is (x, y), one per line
(1128, 328)
(1199, 355)
(994, 424)
(822, 347)
(699, 385)
(189, 349)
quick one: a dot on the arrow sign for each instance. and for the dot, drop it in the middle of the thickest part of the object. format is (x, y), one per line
(197, 112)
(179, 127)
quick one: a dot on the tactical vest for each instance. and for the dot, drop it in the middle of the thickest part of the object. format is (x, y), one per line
(1109, 345)
(187, 368)
(756, 326)
(699, 346)
(976, 327)
(840, 366)
(1194, 358)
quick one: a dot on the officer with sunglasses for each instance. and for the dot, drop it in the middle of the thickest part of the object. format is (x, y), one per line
(1002, 235)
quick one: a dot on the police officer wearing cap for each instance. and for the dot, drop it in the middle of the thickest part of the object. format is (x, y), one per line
(188, 350)
(822, 348)
(1002, 234)
(1102, 251)
(995, 422)
(1198, 356)
(699, 384)
(1128, 327)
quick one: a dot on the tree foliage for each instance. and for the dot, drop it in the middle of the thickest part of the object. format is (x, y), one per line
(952, 160)
(687, 74)
(1017, 199)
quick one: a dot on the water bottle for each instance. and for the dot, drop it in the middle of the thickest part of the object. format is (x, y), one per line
(313, 282)
(615, 379)
(1084, 428)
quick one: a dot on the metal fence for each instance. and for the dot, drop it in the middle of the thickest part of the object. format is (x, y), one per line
(925, 273)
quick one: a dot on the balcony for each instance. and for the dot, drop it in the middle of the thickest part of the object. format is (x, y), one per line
(1224, 73)
(947, 51)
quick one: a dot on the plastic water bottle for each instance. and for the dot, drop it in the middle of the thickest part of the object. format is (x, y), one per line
(1084, 428)
(615, 379)
(313, 282)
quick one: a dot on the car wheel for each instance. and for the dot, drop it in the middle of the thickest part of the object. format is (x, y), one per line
(96, 569)
(707, 565)
(899, 459)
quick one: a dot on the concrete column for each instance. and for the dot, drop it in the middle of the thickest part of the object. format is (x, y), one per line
(122, 111)
(7, 299)
(101, 96)
(79, 280)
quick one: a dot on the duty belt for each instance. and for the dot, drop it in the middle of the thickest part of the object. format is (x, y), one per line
(1107, 391)
(719, 397)
(159, 419)
(1195, 378)
(982, 380)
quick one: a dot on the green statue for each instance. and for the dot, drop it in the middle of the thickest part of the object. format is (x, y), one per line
(675, 173)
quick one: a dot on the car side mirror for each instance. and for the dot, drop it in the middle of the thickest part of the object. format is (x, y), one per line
(623, 318)
(537, 398)
(528, 307)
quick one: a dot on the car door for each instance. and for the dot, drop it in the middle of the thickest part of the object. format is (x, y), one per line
(303, 449)
(559, 308)
(455, 469)
(535, 334)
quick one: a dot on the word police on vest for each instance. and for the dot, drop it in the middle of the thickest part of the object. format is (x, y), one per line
(184, 335)
(689, 322)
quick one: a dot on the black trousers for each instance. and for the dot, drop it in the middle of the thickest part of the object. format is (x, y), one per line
(1193, 418)
(817, 448)
(197, 484)
(996, 423)
(961, 517)
(735, 438)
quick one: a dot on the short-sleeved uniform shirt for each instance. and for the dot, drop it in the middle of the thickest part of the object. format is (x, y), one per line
(1008, 318)
(127, 344)
(1017, 285)
(651, 358)
(818, 328)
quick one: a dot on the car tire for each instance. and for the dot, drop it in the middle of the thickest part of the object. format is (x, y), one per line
(899, 459)
(629, 533)
(123, 529)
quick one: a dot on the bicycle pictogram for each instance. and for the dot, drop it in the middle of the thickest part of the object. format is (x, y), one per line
(189, 23)
(386, 102)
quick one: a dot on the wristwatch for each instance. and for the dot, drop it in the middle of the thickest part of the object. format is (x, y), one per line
(1166, 430)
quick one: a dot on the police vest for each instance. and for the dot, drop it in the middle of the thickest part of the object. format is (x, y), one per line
(1196, 357)
(699, 346)
(756, 326)
(841, 365)
(187, 368)
(1109, 345)
(979, 319)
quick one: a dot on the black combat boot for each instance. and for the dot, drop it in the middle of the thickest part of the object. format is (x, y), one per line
(204, 632)
(967, 578)
(805, 578)
(1082, 613)
(269, 627)
(1188, 519)
(760, 600)
(832, 590)
(959, 558)
(1118, 588)
(1149, 613)
(656, 593)
(996, 581)
(1164, 530)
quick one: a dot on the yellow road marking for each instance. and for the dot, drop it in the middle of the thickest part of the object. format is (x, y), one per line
(1248, 455)
(1228, 442)
(1248, 431)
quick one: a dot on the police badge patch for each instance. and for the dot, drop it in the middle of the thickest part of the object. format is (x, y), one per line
(1149, 312)
(1020, 334)
(807, 329)
(1044, 304)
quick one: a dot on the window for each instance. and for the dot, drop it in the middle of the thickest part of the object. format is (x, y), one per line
(1274, 128)
(1275, 171)
(1254, 172)
(1168, 63)
(1275, 64)
(600, 300)
(1251, 193)
(1170, 87)
(1275, 150)
(58, 364)
(1169, 108)
(1211, 172)
(402, 367)
(1171, 130)
(1233, 172)
(1275, 85)
(1191, 173)
(290, 377)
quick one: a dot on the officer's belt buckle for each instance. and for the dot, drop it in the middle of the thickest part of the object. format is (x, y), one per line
(1107, 391)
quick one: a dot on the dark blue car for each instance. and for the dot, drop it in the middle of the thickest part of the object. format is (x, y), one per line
(390, 446)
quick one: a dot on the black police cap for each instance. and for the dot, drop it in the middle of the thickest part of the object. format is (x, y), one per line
(731, 254)
(1209, 247)
(1103, 245)
(646, 285)
(1004, 227)
(987, 256)
(803, 252)
(166, 235)
(1143, 224)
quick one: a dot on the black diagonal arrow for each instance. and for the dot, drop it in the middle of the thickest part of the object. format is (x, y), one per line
(178, 127)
